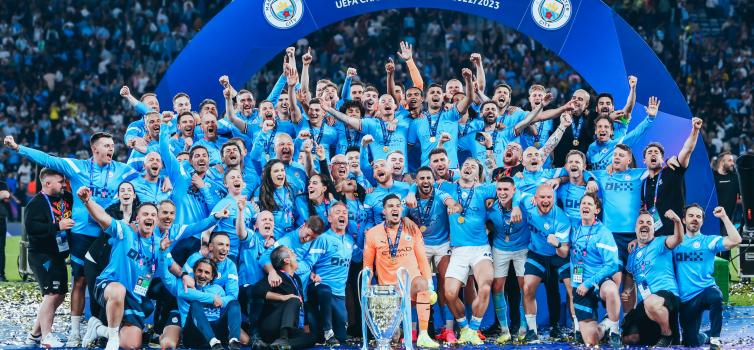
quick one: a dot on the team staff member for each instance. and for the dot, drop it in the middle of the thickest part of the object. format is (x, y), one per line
(122, 286)
(654, 321)
(594, 259)
(48, 223)
(102, 176)
(694, 265)
(385, 252)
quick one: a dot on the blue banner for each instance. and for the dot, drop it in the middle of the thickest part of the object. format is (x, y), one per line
(587, 34)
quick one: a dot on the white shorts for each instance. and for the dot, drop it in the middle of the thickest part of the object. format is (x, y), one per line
(502, 261)
(463, 259)
(436, 252)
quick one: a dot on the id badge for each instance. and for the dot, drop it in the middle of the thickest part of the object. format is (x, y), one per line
(142, 285)
(301, 317)
(644, 291)
(578, 274)
(657, 219)
(61, 238)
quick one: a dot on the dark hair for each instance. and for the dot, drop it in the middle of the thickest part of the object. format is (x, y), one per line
(372, 88)
(624, 147)
(400, 85)
(266, 101)
(421, 93)
(656, 145)
(438, 150)
(182, 153)
(434, 85)
(316, 224)
(315, 101)
(244, 91)
(267, 187)
(215, 234)
(357, 83)
(604, 117)
(99, 135)
(196, 147)
(506, 179)
(209, 262)
(45, 172)
(144, 205)
(326, 183)
(502, 85)
(179, 95)
(693, 205)
(186, 113)
(595, 198)
(207, 101)
(576, 152)
(348, 104)
(424, 168)
(481, 106)
(278, 256)
(229, 143)
(389, 197)
(606, 94)
(167, 201)
(353, 148)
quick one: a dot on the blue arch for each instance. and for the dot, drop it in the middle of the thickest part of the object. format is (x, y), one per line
(595, 41)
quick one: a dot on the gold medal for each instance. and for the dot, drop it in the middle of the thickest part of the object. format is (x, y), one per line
(267, 157)
(536, 144)
(461, 219)
(575, 142)
(507, 238)
(385, 148)
(432, 139)
(423, 228)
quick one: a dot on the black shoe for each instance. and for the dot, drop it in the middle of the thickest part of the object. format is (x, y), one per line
(3, 279)
(531, 337)
(234, 344)
(665, 341)
(280, 344)
(557, 333)
(218, 346)
(258, 344)
(332, 342)
(615, 341)
(579, 338)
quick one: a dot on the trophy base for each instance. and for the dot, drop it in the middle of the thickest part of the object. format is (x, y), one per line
(384, 344)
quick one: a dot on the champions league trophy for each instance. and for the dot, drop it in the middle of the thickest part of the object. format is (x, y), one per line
(382, 307)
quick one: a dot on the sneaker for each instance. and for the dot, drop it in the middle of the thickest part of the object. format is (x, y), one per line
(91, 331)
(414, 335)
(469, 336)
(521, 333)
(257, 343)
(715, 344)
(234, 344)
(504, 337)
(74, 341)
(51, 341)
(332, 342)
(424, 341)
(113, 343)
(615, 340)
(481, 335)
(531, 337)
(154, 341)
(217, 346)
(557, 333)
(280, 344)
(448, 336)
(32, 339)
(665, 341)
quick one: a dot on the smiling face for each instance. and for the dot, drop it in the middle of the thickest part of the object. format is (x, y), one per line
(532, 159)
(284, 147)
(246, 103)
(369, 99)
(166, 215)
(153, 164)
(219, 246)
(505, 191)
(103, 149)
(512, 155)
(126, 194)
(453, 86)
(380, 172)
(425, 182)
(316, 113)
(645, 231)
(589, 209)
(234, 182)
(605, 106)
(265, 224)
(306, 234)
(203, 274)
(267, 110)
(621, 159)
(316, 188)
(151, 102)
(439, 164)
(356, 92)
(146, 219)
(414, 98)
(694, 219)
(387, 105)
(209, 125)
(489, 113)
(284, 103)
(470, 170)
(277, 172)
(53, 184)
(200, 160)
(603, 130)
(231, 155)
(544, 198)
(187, 124)
(338, 218)
(392, 211)
(502, 97)
(339, 167)
(434, 97)
(182, 104)
(580, 100)
(535, 97)
(575, 165)
(152, 124)
(352, 158)
(397, 162)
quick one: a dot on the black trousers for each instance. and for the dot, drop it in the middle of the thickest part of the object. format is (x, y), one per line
(286, 316)
(3, 232)
(91, 272)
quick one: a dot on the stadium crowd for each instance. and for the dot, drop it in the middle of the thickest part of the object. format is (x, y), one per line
(247, 220)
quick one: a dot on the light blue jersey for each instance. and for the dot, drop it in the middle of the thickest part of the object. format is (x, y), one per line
(324, 135)
(148, 191)
(102, 180)
(554, 222)
(652, 268)
(205, 295)
(396, 140)
(251, 266)
(330, 258)
(500, 140)
(213, 148)
(373, 201)
(136, 159)
(357, 226)
(467, 227)
(426, 131)
(228, 225)
(507, 236)
(291, 211)
(227, 275)
(621, 195)
(695, 263)
(431, 215)
(569, 199)
(594, 255)
(179, 232)
(600, 154)
(533, 179)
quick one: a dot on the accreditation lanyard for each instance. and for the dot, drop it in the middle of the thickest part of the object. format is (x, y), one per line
(576, 126)
(318, 137)
(300, 294)
(49, 205)
(270, 140)
(586, 244)
(393, 246)
(153, 266)
(657, 191)
(284, 206)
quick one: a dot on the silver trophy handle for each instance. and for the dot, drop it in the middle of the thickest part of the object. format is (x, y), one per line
(364, 279)
(404, 285)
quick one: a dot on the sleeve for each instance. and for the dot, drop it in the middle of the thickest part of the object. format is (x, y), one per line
(488, 190)
(345, 92)
(172, 167)
(231, 287)
(451, 114)
(260, 289)
(195, 295)
(277, 89)
(210, 195)
(421, 255)
(116, 229)
(412, 137)
(135, 129)
(633, 136)
(369, 251)
(65, 166)
(318, 248)
(301, 211)
(715, 244)
(194, 229)
(38, 225)
(563, 227)
(609, 252)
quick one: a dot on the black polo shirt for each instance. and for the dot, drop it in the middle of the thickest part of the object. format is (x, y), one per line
(585, 125)
(671, 194)
(727, 191)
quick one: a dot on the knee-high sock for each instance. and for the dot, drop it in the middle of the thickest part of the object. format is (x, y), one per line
(501, 308)
(422, 309)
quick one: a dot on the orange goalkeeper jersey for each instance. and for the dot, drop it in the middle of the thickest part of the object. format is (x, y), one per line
(410, 253)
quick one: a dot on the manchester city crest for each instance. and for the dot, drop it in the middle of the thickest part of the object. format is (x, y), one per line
(283, 14)
(551, 14)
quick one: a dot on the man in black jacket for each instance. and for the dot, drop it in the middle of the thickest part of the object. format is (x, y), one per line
(47, 223)
(282, 317)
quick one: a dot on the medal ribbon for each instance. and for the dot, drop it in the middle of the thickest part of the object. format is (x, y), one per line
(393, 246)
(460, 199)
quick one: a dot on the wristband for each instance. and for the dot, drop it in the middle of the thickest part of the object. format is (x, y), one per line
(184, 273)
(560, 244)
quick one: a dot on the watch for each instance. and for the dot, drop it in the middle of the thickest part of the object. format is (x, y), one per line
(560, 244)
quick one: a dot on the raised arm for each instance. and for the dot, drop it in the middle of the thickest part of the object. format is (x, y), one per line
(95, 210)
(552, 113)
(481, 79)
(354, 123)
(407, 54)
(306, 61)
(554, 139)
(125, 92)
(463, 105)
(688, 146)
(292, 78)
(631, 101)
(677, 237)
(530, 118)
(734, 238)
(390, 79)
(62, 165)
(652, 108)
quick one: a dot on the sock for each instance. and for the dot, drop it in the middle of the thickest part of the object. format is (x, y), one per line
(422, 309)
(75, 324)
(461, 322)
(611, 326)
(329, 334)
(475, 323)
(448, 317)
(531, 322)
(501, 309)
(102, 331)
(112, 332)
(575, 324)
(233, 340)
(522, 314)
(213, 341)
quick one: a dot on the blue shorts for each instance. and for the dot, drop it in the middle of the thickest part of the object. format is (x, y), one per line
(79, 244)
(622, 239)
(586, 305)
(174, 318)
(542, 265)
(135, 312)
